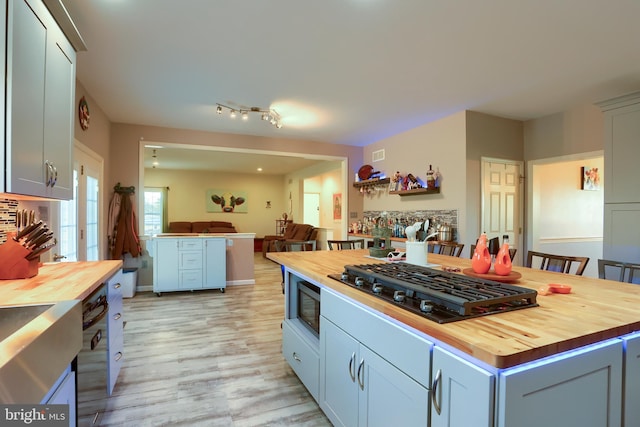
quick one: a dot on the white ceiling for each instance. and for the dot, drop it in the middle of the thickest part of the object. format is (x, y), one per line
(351, 71)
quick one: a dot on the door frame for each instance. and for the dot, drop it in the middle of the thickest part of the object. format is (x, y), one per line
(519, 258)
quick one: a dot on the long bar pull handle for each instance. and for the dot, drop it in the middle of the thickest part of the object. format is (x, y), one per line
(434, 391)
(352, 370)
(361, 374)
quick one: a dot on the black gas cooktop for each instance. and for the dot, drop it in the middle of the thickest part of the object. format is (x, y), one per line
(437, 295)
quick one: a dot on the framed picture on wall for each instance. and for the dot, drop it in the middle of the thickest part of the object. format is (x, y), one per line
(226, 201)
(337, 206)
(590, 178)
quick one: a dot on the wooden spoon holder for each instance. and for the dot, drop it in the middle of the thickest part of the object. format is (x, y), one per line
(13, 264)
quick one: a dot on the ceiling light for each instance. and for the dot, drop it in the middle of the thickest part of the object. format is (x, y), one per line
(269, 114)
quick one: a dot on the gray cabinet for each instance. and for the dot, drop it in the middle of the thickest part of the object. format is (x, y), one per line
(576, 389)
(64, 393)
(115, 325)
(462, 394)
(301, 352)
(189, 264)
(370, 366)
(40, 86)
(621, 177)
(631, 405)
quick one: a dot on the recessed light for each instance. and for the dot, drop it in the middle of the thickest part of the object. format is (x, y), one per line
(259, 169)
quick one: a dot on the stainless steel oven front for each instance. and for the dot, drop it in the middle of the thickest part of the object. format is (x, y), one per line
(92, 359)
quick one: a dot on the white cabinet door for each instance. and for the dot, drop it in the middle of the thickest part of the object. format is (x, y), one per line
(339, 356)
(301, 353)
(40, 97)
(388, 397)
(115, 325)
(621, 232)
(66, 395)
(632, 381)
(462, 393)
(215, 265)
(578, 389)
(165, 265)
(59, 101)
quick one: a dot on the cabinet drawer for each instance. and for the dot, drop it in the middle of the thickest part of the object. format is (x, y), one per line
(190, 244)
(190, 260)
(191, 279)
(396, 344)
(304, 360)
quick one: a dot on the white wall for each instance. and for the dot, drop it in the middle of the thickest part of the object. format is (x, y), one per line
(565, 219)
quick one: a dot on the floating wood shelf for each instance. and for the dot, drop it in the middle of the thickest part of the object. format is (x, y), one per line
(416, 191)
(371, 182)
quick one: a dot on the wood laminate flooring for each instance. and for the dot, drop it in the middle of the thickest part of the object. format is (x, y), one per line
(210, 359)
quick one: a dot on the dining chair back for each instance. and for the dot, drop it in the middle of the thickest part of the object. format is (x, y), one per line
(559, 263)
(345, 244)
(295, 246)
(618, 270)
(445, 248)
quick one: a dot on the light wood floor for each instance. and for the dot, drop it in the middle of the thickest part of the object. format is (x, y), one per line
(210, 359)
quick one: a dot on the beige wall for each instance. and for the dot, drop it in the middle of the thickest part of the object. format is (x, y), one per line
(487, 136)
(578, 130)
(187, 197)
(442, 144)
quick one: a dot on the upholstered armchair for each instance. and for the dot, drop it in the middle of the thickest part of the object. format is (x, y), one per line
(293, 233)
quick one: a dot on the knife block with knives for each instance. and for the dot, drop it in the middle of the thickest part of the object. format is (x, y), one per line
(14, 264)
(21, 252)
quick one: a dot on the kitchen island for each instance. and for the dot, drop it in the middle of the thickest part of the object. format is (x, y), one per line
(572, 354)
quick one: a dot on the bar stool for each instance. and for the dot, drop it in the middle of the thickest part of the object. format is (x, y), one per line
(445, 248)
(625, 271)
(345, 244)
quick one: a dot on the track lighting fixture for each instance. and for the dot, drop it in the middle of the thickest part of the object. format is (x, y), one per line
(266, 114)
(154, 162)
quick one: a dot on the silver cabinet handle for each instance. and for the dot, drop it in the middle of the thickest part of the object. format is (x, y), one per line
(296, 358)
(434, 391)
(117, 316)
(55, 175)
(117, 286)
(118, 356)
(352, 371)
(361, 374)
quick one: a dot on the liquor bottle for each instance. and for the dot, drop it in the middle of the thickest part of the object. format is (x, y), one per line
(503, 259)
(481, 260)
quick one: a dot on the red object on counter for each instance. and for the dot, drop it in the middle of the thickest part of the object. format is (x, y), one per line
(14, 265)
(503, 261)
(481, 260)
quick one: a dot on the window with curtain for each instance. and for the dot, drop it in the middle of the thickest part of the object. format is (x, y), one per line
(155, 210)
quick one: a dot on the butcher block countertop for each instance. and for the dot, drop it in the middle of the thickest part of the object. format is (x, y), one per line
(594, 311)
(58, 281)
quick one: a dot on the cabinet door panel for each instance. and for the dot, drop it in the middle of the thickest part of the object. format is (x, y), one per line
(338, 391)
(58, 119)
(622, 149)
(578, 389)
(26, 55)
(215, 266)
(165, 265)
(390, 397)
(621, 231)
(632, 381)
(464, 392)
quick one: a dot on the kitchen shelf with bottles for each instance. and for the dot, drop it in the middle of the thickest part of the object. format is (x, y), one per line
(415, 191)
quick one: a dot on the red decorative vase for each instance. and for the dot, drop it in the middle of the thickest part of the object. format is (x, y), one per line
(481, 260)
(503, 259)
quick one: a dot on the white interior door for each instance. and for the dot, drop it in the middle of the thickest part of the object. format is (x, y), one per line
(311, 214)
(502, 201)
(80, 220)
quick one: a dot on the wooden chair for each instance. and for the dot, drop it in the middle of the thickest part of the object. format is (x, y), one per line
(559, 263)
(512, 252)
(445, 248)
(620, 271)
(345, 244)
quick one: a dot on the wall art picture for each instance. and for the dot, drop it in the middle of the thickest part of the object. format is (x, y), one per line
(227, 201)
(337, 206)
(590, 178)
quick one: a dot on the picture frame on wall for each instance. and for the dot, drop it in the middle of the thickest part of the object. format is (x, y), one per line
(590, 178)
(337, 206)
